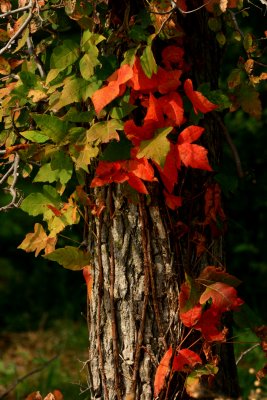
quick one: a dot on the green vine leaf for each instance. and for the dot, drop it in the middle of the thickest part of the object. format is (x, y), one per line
(69, 257)
(157, 148)
(51, 126)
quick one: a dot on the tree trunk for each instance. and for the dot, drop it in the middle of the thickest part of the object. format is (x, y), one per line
(142, 251)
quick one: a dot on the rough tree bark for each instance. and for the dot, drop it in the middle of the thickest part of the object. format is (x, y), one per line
(140, 259)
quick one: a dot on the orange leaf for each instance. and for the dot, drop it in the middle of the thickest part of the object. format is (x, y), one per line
(200, 102)
(115, 87)
(162, 372)
(89, 280)
(172, 107)
(190, 134)
(195, 156)
(172, 55)
(224, 297)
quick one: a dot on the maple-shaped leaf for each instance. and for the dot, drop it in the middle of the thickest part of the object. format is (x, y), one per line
(213, 274)
(224, 297)
(116, 86)
(107, 172)
(185, 360)
(38, 241)
(162, 372)
(192, 155)
(199, 102)
(157, 148)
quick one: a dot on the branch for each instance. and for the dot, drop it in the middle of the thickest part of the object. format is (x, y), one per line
(21, 28)
(245, 352)
(13, 170)
(22, 378)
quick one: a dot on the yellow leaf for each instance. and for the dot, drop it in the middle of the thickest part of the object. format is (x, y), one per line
(38, 241)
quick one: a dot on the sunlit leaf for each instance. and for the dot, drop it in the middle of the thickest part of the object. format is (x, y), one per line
(69, 257)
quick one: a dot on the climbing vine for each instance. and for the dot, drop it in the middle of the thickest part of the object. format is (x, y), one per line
(90, 99)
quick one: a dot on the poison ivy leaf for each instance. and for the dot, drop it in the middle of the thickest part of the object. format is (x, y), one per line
(82, 155)
(59, 219)
(38, 241)
(69, 257)
(65, 54)
(116, 87)
(73, 91)
(162, 372)
(36, 203)
(224, 297)
(51, 126)
(210, 325)
(190, 309)
(156, 148)
(35, 136)
(185, 360)
(212, 274)
(105, 131)
(59, 169)
(148, 62)
(199, 102)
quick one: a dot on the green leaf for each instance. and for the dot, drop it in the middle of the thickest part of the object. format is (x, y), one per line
(215, 24)
(105, 131)
(156, 148)
(148, 62)
(73, 115)
(122, 111)
(248, 42)
(72, 92)
(65, 54)
(248, 98)
(60, 169)
(69, 257)
(36, 203)
(51, 126)
(52, 74)
(90, 40)
(83, 154)
(35, 136)
(87, 65)
(221, 39)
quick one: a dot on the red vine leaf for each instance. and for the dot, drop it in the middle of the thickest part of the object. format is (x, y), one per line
(162, 372)
(210, 326)
(200, 102)
(115, 87)
(89, 280)
(224, 297)
(212, 274)
(172, 55)
(172, 201)
(185, 360)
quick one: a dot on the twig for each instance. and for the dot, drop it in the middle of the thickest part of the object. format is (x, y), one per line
(236, 23)
(22, 378)
(21, 28)
(6, 14)
(12, 188)
(245, 352)
(36, 58)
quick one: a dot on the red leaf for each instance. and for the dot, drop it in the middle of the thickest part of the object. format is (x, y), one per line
(210, 326)
(169, 173)
(137, 184)
(195, 156)
(54, 210)
(173, 55)
(107, 172)
(139, 80)
(200, 102)
(186, 359)
(115, 87)
(192, 316)
(172, 201)
(212, 274)
(172, 107)
(141, 169)
(190, 134)
(224, 297)
(162, 372)
(168, 81)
